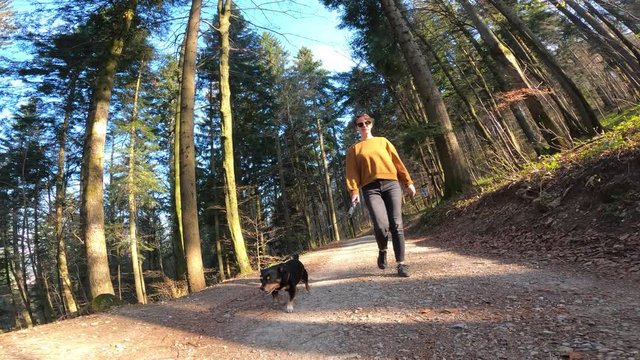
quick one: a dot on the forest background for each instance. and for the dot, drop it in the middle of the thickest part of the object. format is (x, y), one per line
(133, 175)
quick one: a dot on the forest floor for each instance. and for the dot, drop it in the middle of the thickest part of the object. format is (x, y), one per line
(545, 267)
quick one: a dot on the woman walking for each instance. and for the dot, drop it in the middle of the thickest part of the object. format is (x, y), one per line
(373, 164)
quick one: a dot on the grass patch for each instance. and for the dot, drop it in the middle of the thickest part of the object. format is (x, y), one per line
(623, 134)
(614, 119)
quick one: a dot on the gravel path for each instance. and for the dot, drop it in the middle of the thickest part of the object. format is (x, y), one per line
(452, 307)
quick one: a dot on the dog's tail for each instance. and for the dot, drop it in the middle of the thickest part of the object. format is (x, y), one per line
(305, 278)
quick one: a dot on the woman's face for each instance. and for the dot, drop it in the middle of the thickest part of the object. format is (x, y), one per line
(364, 127)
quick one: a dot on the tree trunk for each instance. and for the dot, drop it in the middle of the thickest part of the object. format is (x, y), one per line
(630, 21)
(495, 112)
(69, 302)
(133, 239)
(41, 281)
(475, 120)
(327, 184)
(453, 162)
(178, 233)
(616, 33)
(191, 230)
(17, 270)
(576, 128)
(281, 180)
(518, 108)
(216, 229)
(570, 88)
(231, 197)
(515, 81)
(8, 283)
(93, 162)
(213, 218)
(611, 51)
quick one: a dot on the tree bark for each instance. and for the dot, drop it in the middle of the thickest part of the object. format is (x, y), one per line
(69, 302)
(178, 233)
(17, 270)
(191, 230)
(453, 162)
(133, 239)
(41, 280)
(327, 184)
(8, 283)
(93, 162)
(231, 197)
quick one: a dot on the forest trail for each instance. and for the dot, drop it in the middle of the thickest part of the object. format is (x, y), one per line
(452, 307)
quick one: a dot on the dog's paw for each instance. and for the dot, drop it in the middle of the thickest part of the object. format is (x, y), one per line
(289, 307)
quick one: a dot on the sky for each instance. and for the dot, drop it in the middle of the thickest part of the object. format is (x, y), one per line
(296, 23)
(303, 23)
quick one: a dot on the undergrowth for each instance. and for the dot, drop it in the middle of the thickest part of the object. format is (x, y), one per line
(623, 134)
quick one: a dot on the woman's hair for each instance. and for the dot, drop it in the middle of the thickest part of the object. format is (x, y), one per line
(363, 116)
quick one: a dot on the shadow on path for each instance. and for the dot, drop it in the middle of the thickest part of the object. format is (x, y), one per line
(452, 306)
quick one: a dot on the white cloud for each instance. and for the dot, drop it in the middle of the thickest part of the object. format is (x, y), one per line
(333, 59)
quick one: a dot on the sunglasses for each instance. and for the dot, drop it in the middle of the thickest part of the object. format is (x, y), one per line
(362, 124)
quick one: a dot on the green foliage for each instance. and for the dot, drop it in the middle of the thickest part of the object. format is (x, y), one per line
(630, 116)
(625, 134)
(622, 136)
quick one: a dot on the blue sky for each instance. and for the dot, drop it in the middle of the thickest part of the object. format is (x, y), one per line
(303, 23)
(296, 23)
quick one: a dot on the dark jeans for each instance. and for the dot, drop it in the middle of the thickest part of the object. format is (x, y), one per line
(384, 201)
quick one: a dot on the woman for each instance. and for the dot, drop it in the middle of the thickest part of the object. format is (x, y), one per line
(373, 164)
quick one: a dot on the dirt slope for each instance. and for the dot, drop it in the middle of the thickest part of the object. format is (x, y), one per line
(585, 214)
(453, 307)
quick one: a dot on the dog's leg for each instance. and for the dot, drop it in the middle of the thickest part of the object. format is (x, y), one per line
(276, 297)
(292, 294)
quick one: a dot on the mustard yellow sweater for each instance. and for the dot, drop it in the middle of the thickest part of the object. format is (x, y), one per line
(374, 159)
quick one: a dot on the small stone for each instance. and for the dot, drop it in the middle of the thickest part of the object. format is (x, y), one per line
(564, 350)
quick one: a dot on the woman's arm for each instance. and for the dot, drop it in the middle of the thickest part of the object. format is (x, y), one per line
(352, 175)
(403, 173)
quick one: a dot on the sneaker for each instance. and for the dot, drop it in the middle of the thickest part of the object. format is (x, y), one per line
(382, 259)
(403, 270)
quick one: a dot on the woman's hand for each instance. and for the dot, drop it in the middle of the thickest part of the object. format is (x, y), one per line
(411, 190)
(356, 198)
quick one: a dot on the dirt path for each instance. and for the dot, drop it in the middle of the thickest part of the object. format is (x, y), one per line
(452, 307)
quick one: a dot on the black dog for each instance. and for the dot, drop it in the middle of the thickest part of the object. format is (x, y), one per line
(284, 276)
